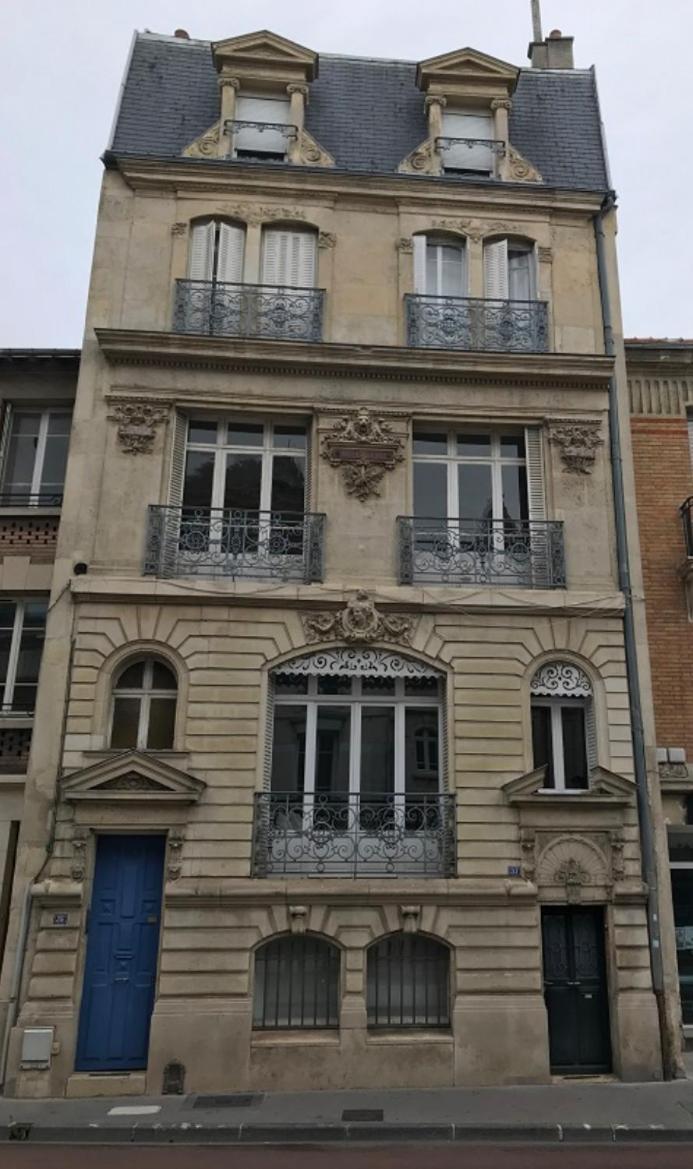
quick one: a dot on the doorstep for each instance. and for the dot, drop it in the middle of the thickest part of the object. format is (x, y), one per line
(81, 1085)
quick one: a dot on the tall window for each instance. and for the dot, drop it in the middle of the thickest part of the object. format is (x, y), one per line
(22, 631)
(245, 466)
(408, 982)
(509, 270)
(35, 456)
(467, 144)
(259, 133)
(144, 707)
(289, 257)
(563, 729)
(216, 251)
(296, 983)
(473, 477)
(440, 267)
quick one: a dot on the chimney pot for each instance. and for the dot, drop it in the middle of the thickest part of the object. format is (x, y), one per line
(182, 34)
(556, 32)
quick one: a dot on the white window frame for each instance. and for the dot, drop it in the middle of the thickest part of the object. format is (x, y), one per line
(356, 700)
(452, 460)
(266, 449)
(144, 694)
(424, 243)
(39, 453)
(13, 657)
(557, 706)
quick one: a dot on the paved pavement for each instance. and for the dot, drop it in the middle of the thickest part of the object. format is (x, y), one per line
(567, 1113)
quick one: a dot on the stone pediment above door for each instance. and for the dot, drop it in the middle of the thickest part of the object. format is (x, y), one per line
(132, 777)
(605, 788)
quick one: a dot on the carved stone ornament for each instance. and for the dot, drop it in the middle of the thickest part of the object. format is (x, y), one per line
(674, 771)
(410, 916)
(545, 255)
(528, 841)
(297, 88)
(131, 783)
(351, 662)
(405, 244)
(327, 239)
(578, 442)
(309, 152)
(359, 621)
(571, 874)
(365, 448)
(574, 862)
(137, 425)
(225, 81)
(561, 680)
(174, 863)
(501, 103)
(207, 144)
(470, 228)
(298, 919)
(79, 854)
(423, 160)
(519, 169)
(179, 228)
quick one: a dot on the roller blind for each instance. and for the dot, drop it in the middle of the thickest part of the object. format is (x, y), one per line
(261, 110)
(463, 155)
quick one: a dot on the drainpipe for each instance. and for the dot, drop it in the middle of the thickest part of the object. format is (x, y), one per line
(647, 844)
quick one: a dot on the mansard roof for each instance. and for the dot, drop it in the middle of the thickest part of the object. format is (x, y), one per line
(369, 114)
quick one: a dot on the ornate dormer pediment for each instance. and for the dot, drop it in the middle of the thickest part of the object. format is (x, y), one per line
(265, 56)
(132, 776)
(467, 73)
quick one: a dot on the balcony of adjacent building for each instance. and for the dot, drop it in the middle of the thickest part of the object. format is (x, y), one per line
(31, 480)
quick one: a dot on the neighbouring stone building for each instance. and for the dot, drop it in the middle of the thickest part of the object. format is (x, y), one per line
(333, 779)
(660, 375)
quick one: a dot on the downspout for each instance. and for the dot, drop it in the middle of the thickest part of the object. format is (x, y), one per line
(647, 845)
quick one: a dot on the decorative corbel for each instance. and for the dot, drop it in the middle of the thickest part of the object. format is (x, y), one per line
(410, 916)
(174, 864)
(298, 919)
(137, 424)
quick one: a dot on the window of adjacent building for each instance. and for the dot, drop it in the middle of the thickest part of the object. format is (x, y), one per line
(260, 134)
(296, 983)
(144, 707)
(440, 267)
(509, 270)
(22, 631)
(289, 257)
(369, 737)
(467, 146)
(216, 251)
(563, 731)
(690, 433)
(35, 455)
(408, 982)
(245, 466)
(475, 477)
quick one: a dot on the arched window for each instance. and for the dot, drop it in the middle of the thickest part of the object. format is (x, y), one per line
(440, 267)
(289, 257)
(408, 982)
(296, 983)
(509, 270)
(563, 726)
(144, 706)
(216, 251)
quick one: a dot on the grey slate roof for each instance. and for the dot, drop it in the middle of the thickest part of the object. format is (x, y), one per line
(368, 114)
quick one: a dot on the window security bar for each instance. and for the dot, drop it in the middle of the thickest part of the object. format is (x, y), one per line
(386, 835)
(222, 309)
(495, 145)
(687, 518)
(460, 322)
(223, 542)
(521, 553)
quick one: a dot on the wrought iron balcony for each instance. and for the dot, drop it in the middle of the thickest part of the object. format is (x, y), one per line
(457, 322)
(221, 309)
(526, 554)
(492, 145)
(687, 517)
(22, 499)
(354, 836)
(220, 542)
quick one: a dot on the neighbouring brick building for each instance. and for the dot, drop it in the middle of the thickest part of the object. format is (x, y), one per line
(660, 374)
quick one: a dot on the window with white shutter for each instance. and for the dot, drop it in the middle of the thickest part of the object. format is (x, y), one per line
(289, 257)
(467, 143)
(509, 271)
(440, 267)
(258, 132)
(564, 738)
(216, 251)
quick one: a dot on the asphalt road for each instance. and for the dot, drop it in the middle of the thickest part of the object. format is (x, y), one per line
(651, 1156)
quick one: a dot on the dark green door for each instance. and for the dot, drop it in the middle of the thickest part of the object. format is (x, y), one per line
(682, 890)
(575, 990)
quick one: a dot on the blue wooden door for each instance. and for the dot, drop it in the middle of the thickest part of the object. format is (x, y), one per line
(122, 947)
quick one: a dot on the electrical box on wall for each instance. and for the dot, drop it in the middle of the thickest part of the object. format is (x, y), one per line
(37, 1044)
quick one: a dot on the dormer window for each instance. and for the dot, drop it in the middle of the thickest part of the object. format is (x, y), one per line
(467, 143)
(262, 128)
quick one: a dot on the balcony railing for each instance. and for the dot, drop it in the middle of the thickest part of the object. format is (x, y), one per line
(31, 499)
(524, 554)
(221, 542)
(687, 517)
(221, 309)
(456, 322)
(354, 836)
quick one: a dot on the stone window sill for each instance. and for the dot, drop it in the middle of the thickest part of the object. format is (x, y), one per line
(287, 1038)
(409, 1035)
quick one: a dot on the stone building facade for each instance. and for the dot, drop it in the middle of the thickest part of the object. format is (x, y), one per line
(660, 375)
(334, 784)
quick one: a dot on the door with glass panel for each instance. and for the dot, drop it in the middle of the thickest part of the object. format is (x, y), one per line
(356, 775)
(244, 496)
(471, 505)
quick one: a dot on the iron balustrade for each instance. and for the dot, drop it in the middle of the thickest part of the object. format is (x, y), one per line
(520, 553)
(286, 129)
(687, 517)
(224, 542)
(494, 145)
(354, 835)
(31, 499)
(463, 322)
(219, 308)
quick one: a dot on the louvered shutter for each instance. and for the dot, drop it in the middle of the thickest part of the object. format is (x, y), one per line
(496, 270)
(177, 465)
(591, 735)
(230, 255)
(201, 255)
(538, 543)
(262, 111)
(289, 258)
(420, 245)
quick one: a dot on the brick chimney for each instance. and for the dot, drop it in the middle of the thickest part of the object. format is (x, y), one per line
(554, 52)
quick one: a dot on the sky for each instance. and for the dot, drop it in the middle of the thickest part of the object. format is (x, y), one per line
(62, 63)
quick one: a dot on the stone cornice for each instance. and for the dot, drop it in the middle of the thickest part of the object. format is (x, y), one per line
(213, 176)
(375, 362)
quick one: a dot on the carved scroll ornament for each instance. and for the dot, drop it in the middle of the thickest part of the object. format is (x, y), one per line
(359, 621)
(578, 441)
(137, 425)
(365, 448)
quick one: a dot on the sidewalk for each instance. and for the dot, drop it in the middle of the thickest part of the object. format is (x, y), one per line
(570, 1111)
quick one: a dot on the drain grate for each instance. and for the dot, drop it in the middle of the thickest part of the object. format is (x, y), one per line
(235, 1100)
(374, 1114)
